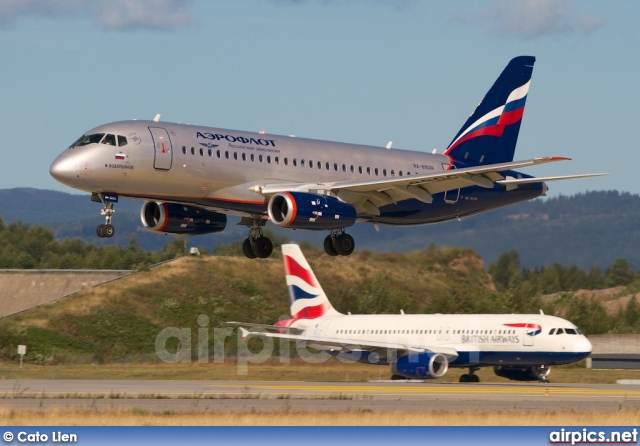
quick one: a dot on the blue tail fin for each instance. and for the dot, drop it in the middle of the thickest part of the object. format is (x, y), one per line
(490, 134)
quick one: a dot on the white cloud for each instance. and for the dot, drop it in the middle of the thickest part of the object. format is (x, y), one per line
(530, 19)
(143, 14)
(126, 15)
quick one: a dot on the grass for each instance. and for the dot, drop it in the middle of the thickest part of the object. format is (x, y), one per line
(142, 417)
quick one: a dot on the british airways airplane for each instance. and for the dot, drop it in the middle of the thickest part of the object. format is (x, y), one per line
(191, 177)
(520, 347)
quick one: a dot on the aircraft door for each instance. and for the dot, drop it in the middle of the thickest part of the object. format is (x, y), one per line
(321, 328)
(162, 148)
(451, 196)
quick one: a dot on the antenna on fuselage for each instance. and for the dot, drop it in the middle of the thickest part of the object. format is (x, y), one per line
(434, 151)
(388, 146)
(157, 118)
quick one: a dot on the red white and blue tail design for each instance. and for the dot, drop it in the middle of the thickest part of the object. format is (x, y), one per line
(306, 297)
(490, 134)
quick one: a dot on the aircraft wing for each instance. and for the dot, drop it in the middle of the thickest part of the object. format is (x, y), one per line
(267, 327)
(349, 345)
(370, 194)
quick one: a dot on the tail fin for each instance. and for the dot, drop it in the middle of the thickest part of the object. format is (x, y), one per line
(306, 297)
(490, 134)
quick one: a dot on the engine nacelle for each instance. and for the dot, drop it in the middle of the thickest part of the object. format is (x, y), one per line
(170, 218)
(515, 373)
(301, 210)
(421, 366)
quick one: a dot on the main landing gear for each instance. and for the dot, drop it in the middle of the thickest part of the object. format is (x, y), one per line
(339, 243)
(257, 245)
(471, 377)
(106, 230)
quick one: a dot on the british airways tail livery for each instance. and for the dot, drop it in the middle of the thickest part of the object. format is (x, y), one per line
(423, 346)
(191, 177)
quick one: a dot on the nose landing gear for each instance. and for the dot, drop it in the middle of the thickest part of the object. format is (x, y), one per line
(106, 230)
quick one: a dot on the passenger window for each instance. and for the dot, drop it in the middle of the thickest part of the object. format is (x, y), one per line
(319, 165)
(335, 166)
(244, 157)
(201, 152)
(184, 150)
(122, 141)
(260, 158)
(268, 159)
(276, 160)
(252, 157)
(235, 155)
(344, 168)
(286, 161)
(109, 140)
(193, 151)
(301, 163)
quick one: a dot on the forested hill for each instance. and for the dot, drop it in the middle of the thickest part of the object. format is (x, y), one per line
(592, 228)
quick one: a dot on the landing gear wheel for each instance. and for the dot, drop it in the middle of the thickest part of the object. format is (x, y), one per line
(397, 377)
(328, 246)
(247, 249)
(100, 231)
(263, 247)
(345, 244)
(471, 377)
(108, 230)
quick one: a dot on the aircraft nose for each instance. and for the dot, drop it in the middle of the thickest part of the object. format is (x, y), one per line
(582, 345)
(65, 170)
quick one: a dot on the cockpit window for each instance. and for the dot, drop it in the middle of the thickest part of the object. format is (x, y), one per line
(553, 330)
(122, 141)
(109, 140)
(85, 140)
(560, 331)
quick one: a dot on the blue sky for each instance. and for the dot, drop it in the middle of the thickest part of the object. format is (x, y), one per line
(360, 71)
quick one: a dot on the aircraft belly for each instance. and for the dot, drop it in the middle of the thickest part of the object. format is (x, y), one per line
(492, 358)
(471, 201)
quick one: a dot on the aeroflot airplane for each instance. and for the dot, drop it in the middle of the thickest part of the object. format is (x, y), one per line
(423, 346)
(191, 177)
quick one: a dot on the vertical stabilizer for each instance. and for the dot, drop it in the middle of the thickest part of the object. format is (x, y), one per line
(490, 134)
(306, 297)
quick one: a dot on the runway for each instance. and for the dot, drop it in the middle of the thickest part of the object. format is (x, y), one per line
(247, 396)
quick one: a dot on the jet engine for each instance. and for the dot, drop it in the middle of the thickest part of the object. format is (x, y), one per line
(301, 210)
(170, 218)
(515, 373)
(421, 366)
